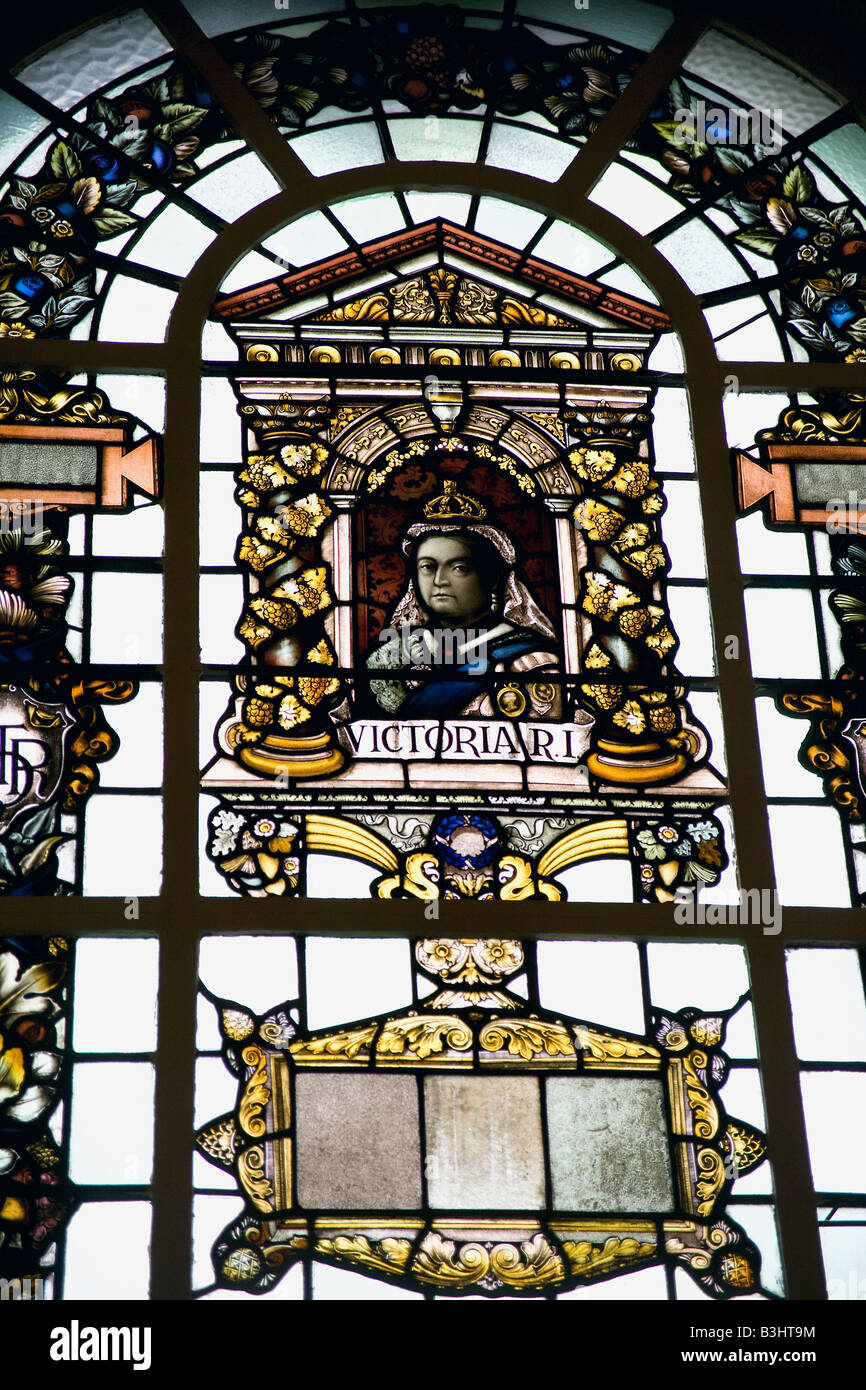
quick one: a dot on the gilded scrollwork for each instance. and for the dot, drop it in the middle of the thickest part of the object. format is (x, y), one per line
(420, 880)
(445, 1263)
(370, 308)
(703, 1107)
(711, 1180)
(526, 1038)
(387, 1256)
(254, 1180)
(587, 1258)
(476, 303)
(720, 1257)
(516, 880)
(256, 1093)
(494, 1252)
(604, 1048)
(823, 749)
(823, 424)
(23, 401)
(532, 1264)
(412, 301)
(423, 1037)
(348, 1046)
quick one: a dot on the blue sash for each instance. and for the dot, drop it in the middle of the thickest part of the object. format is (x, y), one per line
(439, 698)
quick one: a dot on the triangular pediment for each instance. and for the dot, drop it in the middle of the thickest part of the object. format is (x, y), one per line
(441, 275)
(444, 297)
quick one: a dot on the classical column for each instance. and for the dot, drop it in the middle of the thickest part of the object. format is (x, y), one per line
(341, 565)
(283, 730)
(639, 736)
(568, 564)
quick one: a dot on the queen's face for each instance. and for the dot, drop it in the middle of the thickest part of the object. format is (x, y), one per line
(449, 585)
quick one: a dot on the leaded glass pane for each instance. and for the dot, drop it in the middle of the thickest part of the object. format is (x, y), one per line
(464, 635)
(466, 1144)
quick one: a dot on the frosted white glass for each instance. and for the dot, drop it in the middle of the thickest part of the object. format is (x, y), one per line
(528, 152)
(123, 848)
(352, 977)
(111, 1135)
(594, 980)
(95, 1230)
(115, 995)
(138, 761)
(256, 971)
(829, 1010)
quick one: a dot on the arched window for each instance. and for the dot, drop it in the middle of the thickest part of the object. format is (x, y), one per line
(431, 445)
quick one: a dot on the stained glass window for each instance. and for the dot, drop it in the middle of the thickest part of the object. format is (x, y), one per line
(431, 443)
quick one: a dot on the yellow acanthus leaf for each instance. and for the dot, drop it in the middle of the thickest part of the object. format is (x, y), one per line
(596, 658)
(322, 653)
(592, 464)
(637, 533)
(291, 712)
(661, 641)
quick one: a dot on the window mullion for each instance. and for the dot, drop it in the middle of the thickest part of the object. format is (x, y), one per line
(179, 909)
(795, 1198)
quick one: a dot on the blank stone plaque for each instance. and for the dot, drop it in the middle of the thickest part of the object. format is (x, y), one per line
(484, 1145)
(357, 1141)
(608, 1144)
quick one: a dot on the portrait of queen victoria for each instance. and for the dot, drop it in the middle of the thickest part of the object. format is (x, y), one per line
(466, 636)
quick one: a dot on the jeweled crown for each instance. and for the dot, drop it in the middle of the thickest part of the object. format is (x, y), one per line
(451, 505)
